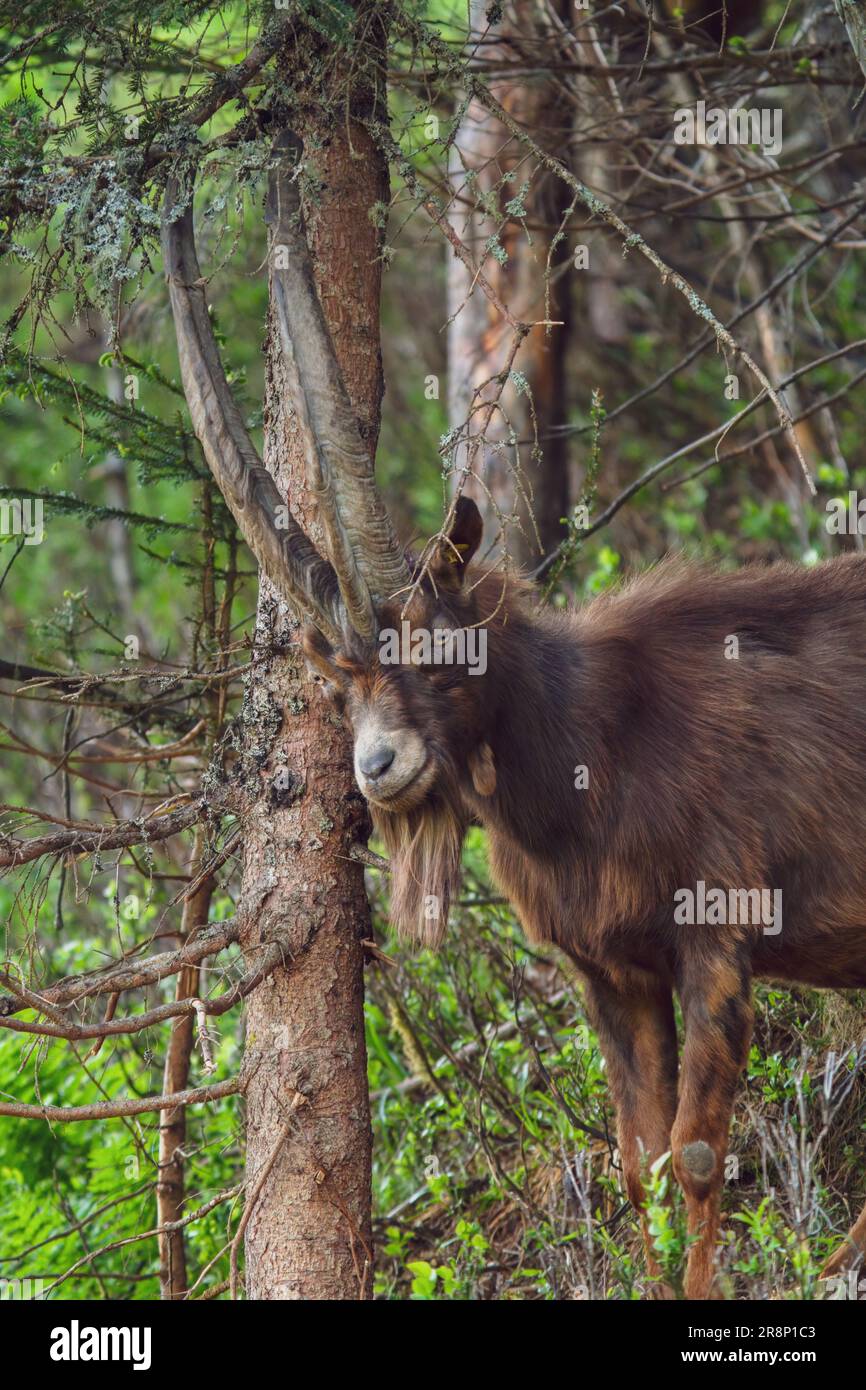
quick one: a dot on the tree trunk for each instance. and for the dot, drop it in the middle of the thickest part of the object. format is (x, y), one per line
(309, 1234)
(522, 493)
(170, 1188)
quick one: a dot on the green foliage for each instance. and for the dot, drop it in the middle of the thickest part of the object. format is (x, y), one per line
(70, 1191)
(667, 1224)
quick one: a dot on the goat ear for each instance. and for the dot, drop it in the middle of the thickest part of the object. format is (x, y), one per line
(482, 770)
(455, 551)
(320, 659)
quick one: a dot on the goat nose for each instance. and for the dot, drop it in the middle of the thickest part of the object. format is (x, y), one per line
(377, 762)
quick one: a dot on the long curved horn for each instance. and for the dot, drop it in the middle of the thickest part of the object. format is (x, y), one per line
(281, 547)
(364, 550)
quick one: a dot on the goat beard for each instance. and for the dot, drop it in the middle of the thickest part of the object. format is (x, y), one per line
(424, 847)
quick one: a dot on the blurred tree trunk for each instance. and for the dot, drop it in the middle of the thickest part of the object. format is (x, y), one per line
(522, 493)
(117, 532)
(309, 1234)
(171, 1183)
(170, 1188)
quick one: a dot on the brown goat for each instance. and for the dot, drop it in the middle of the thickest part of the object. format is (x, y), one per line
(692, 738)
(688, 733)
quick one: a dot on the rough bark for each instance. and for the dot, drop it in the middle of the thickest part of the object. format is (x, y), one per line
(309, 1234)
(531, 493)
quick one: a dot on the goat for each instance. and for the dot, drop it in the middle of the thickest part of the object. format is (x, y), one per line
(689, 733)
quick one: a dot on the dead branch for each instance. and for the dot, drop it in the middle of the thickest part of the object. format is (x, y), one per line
(107, 1110)
(138, 832)
(273, 956)
(131, 974)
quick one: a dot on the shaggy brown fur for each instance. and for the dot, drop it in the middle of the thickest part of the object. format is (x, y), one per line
(735, 764)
